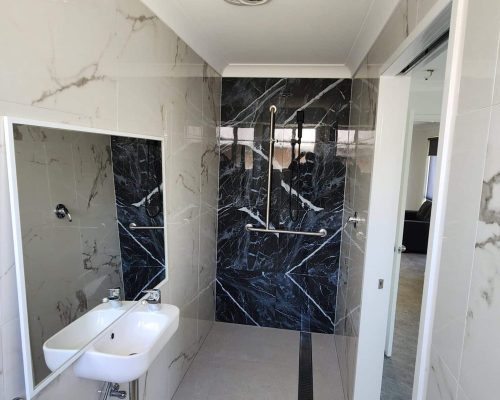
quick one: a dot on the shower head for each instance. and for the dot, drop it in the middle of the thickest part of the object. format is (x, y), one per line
(247, 2)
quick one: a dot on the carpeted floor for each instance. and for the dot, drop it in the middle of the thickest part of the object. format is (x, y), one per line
(397, 381)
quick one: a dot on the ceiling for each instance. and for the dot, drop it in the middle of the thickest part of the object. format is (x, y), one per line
(293, 37)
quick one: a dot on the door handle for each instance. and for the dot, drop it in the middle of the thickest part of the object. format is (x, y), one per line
(401, 249)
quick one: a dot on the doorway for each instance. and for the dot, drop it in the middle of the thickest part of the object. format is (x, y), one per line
(385, 208)
(417, 193)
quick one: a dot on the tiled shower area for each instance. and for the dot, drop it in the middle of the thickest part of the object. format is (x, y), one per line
(276, 293)
(277, 280)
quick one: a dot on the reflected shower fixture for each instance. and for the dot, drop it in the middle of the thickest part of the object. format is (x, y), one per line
(62, 212)
(295, 176)
(247, 2)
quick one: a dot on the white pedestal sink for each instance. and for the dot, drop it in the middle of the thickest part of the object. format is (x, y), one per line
(71, 339)
(129, 347)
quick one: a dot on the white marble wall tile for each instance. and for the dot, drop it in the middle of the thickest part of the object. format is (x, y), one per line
(402, 22)
(209, 171)
(12, 362)
(442, 384)
(149, 387)
(491, 165)
(8, 302)
(183, 256)
(496, 88)
(11, 376)
(206, 311)
(142, 38)
(395, 31)
(60, 66)
(183, 164)
(461, 394)
(141, 105)
(183, 346)
(481, 353)
(2, 388)
(460, 232)
(468, 279)
(212, 90)
(358, 180)
(351, 355)
(424, 6)
(208, 257)
(479, 61)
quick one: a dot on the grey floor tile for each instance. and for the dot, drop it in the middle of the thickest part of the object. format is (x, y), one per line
(239, 362)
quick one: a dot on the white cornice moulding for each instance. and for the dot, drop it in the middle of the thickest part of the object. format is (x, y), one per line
(286, 71)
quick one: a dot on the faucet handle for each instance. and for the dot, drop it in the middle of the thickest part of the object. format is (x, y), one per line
(114, 293)
(153, 296)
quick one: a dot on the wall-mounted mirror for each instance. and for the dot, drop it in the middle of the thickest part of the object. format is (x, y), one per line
(88, 216)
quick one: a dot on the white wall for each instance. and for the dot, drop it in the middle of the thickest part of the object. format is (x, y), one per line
(426, 105)
(418, 162)
(112, 64)
(465, 356)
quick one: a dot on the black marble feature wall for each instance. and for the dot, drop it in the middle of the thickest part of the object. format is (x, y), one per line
(281, 281)
(137, 169)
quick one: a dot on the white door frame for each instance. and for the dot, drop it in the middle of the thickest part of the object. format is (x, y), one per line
(392, 112)
(391, 320)
(385, 189)
(446, 133)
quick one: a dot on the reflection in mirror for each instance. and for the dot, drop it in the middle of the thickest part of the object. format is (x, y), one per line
(79, 193)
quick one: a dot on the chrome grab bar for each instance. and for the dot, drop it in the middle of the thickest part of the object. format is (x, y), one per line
(250, 227)
(320, 233)
(133, 227)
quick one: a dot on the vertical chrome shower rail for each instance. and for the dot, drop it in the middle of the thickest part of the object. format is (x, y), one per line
(272, 126)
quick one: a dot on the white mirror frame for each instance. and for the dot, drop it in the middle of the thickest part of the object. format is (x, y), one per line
(8, 124)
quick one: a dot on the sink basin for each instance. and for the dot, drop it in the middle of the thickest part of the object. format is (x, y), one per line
(71, 339)
(129, 346)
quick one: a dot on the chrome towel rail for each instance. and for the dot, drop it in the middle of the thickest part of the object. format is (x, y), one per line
(250, 227)
(133, 226)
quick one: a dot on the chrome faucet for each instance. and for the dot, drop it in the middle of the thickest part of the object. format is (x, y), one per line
(153, 299)
(114, 297)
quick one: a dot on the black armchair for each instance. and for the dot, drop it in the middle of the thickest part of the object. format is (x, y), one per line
(416, 229)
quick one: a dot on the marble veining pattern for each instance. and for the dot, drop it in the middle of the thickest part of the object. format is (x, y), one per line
(155, 85)
(138, 178)
(278, 280)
